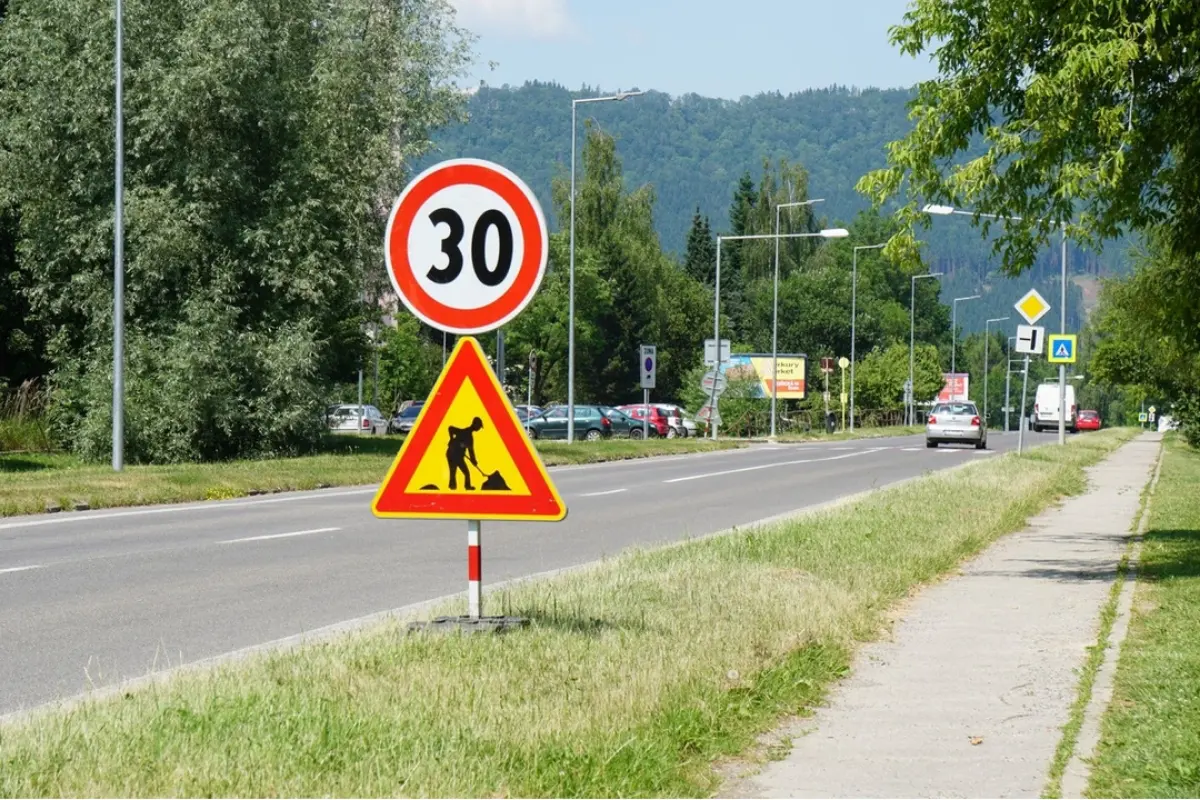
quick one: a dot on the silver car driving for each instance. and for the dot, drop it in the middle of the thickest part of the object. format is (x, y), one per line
(955, 422)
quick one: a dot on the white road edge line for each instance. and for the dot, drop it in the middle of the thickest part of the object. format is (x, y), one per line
(278, 536)
(767, 466)
(601, 494)
(19, 569)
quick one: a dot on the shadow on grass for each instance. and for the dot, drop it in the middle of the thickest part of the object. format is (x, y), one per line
(21, 464)
(591, 627)
(1182, 551)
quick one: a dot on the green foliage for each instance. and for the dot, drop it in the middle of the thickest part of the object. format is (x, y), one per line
(1076, 112)
(260, 141)
(408, 364)
(879, 379)
(1148, 333)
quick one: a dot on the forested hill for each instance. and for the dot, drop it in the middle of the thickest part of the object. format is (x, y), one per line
(693, 150)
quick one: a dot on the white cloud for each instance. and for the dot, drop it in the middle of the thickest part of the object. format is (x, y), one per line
(527, 19)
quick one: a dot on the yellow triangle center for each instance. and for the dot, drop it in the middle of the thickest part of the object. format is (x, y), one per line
(454, 445)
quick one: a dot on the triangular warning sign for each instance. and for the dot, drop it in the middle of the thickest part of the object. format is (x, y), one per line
(1062, 351)
(468, 456)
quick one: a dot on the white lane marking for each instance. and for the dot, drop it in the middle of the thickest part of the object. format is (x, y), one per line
(767, 466)
(19, 569)
(278, 536)
(601, 494)
(200, 506)
(913, 449)
(840, 449)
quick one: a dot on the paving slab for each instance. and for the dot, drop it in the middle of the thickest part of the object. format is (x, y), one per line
(968, 696)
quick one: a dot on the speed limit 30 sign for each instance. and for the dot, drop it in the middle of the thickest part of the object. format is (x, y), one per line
(466, 246)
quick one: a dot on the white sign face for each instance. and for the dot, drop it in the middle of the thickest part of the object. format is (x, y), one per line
(466, 246)
(1031, 339)
(714, 383)
(709, 414)
(648, 365)
(710, 352)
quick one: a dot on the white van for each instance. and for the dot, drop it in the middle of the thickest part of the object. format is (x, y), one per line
(1045, 408)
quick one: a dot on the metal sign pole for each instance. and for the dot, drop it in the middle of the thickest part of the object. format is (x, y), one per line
(1022, 420)
(646, 416)
(474, 569)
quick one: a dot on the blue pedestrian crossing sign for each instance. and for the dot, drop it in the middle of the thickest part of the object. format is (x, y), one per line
(1061, 348)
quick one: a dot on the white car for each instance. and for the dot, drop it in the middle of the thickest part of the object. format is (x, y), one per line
(1045, 408)
(345, 419)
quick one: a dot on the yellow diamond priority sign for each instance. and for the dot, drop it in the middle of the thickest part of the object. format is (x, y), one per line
(1032, 306)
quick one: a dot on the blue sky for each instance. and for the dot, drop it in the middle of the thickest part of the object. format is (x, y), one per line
(717, 48)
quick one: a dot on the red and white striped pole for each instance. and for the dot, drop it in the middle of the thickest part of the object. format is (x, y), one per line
(474, 569)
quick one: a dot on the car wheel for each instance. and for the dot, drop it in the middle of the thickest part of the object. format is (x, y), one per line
(533, 434)
(981, 444)
(671, 433)
(930, 443)
(592, 435)
(635, 433)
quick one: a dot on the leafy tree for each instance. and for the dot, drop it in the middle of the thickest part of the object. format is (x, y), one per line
(409, 363)
(880, 378)
(263, 143)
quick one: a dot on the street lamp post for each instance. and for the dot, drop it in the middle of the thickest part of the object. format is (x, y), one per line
(854, 319)
(954, 329)
(619, 96)
(987, 339)
(912, 328)
(118, 397)
(775, 311)
(944, 211)
(828, 233)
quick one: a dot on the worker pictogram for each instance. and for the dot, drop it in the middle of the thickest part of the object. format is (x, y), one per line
(467, 456)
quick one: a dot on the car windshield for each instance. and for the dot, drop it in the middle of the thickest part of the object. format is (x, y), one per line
(410, 413)
(954, 409)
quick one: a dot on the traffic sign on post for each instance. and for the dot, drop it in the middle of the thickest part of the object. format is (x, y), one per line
(1061, 348)
(1032, 306)
(466, 246)
(467, 456)
(1030, 339)
(648, 364)
(714, 383)
(711, 356)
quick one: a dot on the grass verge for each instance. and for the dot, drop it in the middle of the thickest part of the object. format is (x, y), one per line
(29, 483)
(634, 677)
(858, 433)
(1150, 735)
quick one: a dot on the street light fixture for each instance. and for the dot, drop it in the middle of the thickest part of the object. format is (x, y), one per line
(827, 233)
(775, 311)
(912, 327)
(854, 318)
(619, 96)
(987, 339)
(943, 211)
(954, 329)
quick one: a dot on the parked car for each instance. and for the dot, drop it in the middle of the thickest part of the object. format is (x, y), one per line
(526, 413)
(345, 419)
(1088, 421)
(1045, 408)
(658, 420)
(955, 422)
(403, 422)
(590, 424)
(678, 419)
(623, 425)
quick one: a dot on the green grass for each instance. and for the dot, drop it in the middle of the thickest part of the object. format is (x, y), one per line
(1150, 735)
(25, 434)
(28, 482)
(857, 433)
(634, 677)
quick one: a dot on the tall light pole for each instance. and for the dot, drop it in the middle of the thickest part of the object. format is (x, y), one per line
(954, 329)
(944, 211)
(987, 339)
(854, 318)
(775, 311)
(571, 280)
(828, 233)
(912, 328)
(118, 398)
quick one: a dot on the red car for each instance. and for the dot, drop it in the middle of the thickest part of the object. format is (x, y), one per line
(1088, 421)
(659, 426)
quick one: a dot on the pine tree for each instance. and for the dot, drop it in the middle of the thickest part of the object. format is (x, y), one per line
(733, 279)
(700, 259)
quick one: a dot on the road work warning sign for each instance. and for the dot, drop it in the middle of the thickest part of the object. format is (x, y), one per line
(468, 456)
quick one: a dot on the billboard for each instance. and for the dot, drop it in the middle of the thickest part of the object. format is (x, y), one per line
(956, 387)
(754, 366)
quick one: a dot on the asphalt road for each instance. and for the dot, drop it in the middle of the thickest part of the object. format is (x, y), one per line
(89, 599)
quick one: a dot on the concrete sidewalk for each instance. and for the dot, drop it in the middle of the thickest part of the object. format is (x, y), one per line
(969, 697)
